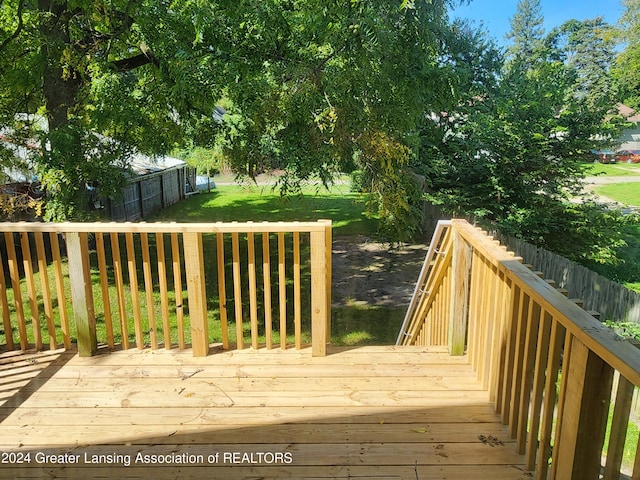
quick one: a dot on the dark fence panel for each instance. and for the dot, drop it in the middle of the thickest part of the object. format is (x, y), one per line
(148, 194)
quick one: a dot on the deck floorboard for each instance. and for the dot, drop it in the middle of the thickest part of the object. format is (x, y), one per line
(365, 412)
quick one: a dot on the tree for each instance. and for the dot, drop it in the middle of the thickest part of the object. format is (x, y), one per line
(589, 51)
(338, 86)
(526, 31)
(314, 87)
(90, 81)
(513, 155)
(627, 67)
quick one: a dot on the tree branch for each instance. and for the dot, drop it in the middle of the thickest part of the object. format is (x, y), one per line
(19, 28)
(146, 57)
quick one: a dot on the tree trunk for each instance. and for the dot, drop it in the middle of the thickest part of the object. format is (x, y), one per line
(60, 85)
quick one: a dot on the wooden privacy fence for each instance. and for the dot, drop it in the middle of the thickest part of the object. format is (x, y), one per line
(613, 300)
(548, 365)
(165, 284)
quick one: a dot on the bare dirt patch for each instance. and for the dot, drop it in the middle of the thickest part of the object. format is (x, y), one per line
(366, 272)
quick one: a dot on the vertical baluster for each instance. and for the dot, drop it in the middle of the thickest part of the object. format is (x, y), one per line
(509, 354)
(14, 274)
(503, 343)
(164, 291)
(542, 357)
(237, 290)
(282, 289)
(31, 290)
(104, 285)
(6, 316)
(475, 312)
(46, 290)
(522, 321)
(528, 367)
(266, 274)
(222, 291)
(62, 299)
(619, 427)
(133, 285)
(490, 321)
(578, 447)
(496, 333)
(148, 288)
(177, 284)
(253, 296)
(118, 277)
(328, 232)
(296, 290)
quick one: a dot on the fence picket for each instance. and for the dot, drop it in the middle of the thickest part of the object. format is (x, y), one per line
(45, 289)
(266, 273)
(104, 285)
(309, 280)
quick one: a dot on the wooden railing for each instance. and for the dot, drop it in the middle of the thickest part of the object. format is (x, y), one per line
(119, 284)
(554, 372)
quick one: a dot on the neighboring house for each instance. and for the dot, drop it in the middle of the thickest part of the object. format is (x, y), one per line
(630, 137)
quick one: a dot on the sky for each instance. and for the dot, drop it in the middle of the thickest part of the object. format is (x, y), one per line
(496, 14)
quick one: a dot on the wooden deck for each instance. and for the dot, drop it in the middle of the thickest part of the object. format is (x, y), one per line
(367, 412)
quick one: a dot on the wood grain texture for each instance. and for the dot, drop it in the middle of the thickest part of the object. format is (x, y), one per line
(368, 412)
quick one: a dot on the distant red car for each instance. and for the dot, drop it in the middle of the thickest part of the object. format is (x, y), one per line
(628, 156)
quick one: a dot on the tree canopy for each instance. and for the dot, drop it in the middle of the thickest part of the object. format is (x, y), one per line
(85, 82)
(390, 88)
(515, 154)
(627, 67)
(313, 87)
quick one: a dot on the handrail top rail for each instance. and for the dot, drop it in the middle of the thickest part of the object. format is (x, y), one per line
(165, 227)
(621, 355)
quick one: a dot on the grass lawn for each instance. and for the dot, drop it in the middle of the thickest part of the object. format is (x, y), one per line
(614, 169)
(628, 271)
(351, 325)
(261, 204)
(625, 193)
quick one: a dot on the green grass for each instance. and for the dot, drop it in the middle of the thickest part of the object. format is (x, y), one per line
(625, 193)
(260, 204)
(352, 325)
(627, 271)
(630, 444)
(614, 170)
(365, 325)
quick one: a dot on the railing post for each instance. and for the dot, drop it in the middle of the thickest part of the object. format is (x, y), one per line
(328, 234)
(196, 291)
(320, 310)
(580, 434)
(81, 293)
(459, 311)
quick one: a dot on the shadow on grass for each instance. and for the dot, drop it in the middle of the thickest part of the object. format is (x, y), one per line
(365, 325)
(234, 204)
